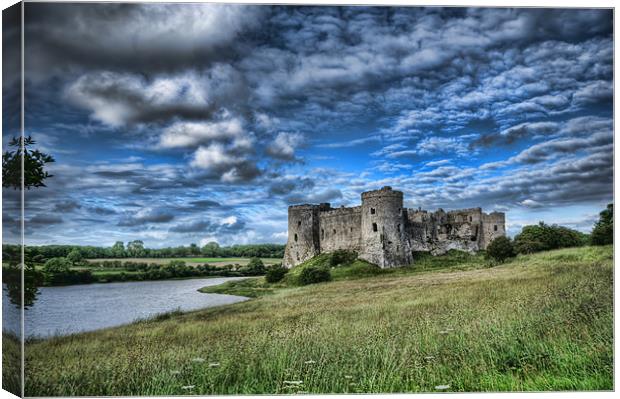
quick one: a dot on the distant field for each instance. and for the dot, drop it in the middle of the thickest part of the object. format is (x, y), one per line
(191, 261)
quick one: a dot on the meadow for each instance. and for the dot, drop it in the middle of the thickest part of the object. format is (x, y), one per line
(539, 322)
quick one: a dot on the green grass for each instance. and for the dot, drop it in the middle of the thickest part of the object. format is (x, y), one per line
(540, 322)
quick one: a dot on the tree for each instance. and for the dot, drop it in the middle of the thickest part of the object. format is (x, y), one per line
(255, 267)
(135, 248)
(74, 257)
(603, 232)
(543, 237)
(501, 249)
(56, 266)
(118, 249)
(34, 165)
(210, 249)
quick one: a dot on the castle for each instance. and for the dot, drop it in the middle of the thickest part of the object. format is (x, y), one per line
(383, 232)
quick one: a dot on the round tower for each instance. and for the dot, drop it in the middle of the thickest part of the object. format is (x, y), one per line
(384, 238)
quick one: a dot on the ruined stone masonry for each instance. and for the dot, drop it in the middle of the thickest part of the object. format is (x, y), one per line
(383, 232)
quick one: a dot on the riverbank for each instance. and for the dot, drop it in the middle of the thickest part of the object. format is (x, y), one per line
(541, 322)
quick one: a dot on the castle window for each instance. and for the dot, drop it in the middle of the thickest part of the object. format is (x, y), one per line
(397, 248)
(374, 227)
(495, 227)
(334, 231)
(351, 229)
(471, 219)
(372, 211)
(400, 211)
(295, 237)
(399, 227)
(322, 233)
(299, 223)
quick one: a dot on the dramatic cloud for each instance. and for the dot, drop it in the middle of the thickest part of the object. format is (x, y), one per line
(179, 123)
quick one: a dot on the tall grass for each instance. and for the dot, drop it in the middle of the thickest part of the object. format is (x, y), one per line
(541, 322)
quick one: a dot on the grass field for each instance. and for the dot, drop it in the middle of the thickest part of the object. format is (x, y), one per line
(540, 322)
(192, 261)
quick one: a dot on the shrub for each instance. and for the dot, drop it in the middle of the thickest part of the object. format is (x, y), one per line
(275, 273)
(500, 249)
(543, 237)
(74, 257)
(56, 265)
(313, 275)
(603, 232)
(342, 257)
(254, 268)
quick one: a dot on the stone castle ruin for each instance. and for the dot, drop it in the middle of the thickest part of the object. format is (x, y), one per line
(385, 233)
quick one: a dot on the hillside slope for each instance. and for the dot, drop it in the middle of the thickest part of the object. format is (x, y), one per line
(541, 322)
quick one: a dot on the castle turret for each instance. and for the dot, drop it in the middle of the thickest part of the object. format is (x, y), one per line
(384, 239)
(303, 233)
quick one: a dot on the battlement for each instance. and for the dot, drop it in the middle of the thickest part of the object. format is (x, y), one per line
(385, 191)
(340, 211)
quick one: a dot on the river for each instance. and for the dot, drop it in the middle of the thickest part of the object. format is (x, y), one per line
(78, 308)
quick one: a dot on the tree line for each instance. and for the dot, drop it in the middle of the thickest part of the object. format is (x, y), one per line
(136, 249)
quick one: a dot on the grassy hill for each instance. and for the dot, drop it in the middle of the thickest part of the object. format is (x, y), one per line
(540, 322)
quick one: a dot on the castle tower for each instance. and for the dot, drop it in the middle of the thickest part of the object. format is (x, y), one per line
(303, 233)
(384, 237)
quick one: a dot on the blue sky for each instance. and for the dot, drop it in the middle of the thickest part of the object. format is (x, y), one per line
(187, 123)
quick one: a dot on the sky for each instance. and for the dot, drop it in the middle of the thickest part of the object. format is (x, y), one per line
(190, 123)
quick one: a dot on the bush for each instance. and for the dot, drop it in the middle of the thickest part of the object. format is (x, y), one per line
(275, 273)
(342, 257)
(314, 274)
(74, 257)
(254, 268)
(543, 237)
(501, 249)
(603, 232)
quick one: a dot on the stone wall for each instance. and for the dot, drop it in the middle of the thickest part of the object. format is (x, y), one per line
(340, 229)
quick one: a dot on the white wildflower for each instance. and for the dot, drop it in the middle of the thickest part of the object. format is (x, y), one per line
(188, 387)
(442, 387)
(309, 362)
(214, 365)
(198, 360)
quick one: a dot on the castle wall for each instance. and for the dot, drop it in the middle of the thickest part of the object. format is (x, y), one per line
(340, 229)
(382, 232)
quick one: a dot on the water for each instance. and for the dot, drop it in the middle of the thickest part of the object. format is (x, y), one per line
(79, 308)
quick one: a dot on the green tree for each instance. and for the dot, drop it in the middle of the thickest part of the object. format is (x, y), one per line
(501, 249)
(255, 267)
(118, 249)
(75, 257)
(34, 165)
(135, 248)
(543, 237)
(211, 249)
(56, 266)
(314, 274)
(603, 232)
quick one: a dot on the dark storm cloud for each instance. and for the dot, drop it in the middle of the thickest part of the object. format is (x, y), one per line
(194, 227)
(314, 197)
(288, 185)
(145, 218)
(67, 206)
